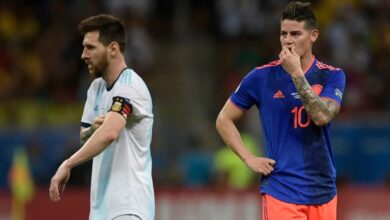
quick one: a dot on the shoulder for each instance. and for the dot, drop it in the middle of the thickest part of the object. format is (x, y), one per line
(270, 65)
(126, 77)
(264, 70)
(326, 67)
(130, 78)
(330, 71)
(130, 82)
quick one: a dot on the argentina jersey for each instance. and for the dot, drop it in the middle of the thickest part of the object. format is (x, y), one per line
(304, 171)
(121, 181)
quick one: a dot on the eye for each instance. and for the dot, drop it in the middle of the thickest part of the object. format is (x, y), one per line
(295, 33)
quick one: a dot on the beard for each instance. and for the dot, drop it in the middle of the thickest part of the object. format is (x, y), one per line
(97, 70)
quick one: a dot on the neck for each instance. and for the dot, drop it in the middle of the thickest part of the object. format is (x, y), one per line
(306, 61)
(113, 71)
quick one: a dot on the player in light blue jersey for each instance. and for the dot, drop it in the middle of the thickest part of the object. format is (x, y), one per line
(297, 97)
(116, 129)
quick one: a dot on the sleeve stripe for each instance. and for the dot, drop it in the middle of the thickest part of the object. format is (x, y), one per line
(85, 125)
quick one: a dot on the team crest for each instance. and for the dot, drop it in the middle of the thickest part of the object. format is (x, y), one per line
(121, 105)
(317, 88)
(117, 106)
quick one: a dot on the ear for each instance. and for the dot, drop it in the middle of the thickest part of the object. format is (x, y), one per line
(315, 33)
(113, 48)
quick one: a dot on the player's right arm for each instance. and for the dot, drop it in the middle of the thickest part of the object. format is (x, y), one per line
(227, 129)
(86, 132)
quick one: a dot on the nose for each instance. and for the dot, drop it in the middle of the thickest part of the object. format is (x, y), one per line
(288, 39)
(84, 54)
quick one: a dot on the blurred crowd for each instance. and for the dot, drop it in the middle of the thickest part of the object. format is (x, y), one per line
(192, 54)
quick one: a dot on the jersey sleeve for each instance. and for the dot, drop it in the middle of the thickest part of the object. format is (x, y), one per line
(245, 96)
(88, 113)
(136, 96)
(335, 86)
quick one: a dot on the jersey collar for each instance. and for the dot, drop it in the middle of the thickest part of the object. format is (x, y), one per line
(313, 60)
(110, 87)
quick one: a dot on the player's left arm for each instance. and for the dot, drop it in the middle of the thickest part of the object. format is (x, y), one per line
(321, 110)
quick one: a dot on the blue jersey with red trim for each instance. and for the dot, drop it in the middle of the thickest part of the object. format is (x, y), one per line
(304, 171)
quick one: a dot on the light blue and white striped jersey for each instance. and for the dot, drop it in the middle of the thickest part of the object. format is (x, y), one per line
(122, 174)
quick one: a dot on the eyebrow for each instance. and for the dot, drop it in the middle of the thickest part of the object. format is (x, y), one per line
(293, 32)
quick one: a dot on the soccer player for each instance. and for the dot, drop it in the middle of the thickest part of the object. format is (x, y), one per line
(116, 129)
(297, 97)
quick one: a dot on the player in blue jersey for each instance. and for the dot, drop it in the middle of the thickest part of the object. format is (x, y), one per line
(297, 97)
(116, 129)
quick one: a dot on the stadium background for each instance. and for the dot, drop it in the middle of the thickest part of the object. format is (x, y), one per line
(192, 54)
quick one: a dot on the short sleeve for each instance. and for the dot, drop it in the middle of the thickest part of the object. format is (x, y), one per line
(334, 86)
(136, 93)
(245, 95)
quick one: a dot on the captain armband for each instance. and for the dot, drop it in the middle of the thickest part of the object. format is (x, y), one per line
(121, 105)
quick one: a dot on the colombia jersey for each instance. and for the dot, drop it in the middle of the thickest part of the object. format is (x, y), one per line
(304, 171)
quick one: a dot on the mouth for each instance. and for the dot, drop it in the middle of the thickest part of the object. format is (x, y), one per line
(289, 47)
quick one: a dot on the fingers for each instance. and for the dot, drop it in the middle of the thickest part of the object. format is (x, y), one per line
(54, 190)
(267, 166)
(284, 53)
(267, 169)
(98, 122)
(271, 162)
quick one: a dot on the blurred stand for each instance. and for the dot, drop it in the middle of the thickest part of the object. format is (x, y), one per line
(192, 54)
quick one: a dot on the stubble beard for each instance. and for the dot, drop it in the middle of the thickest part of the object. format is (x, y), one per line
(97, 70)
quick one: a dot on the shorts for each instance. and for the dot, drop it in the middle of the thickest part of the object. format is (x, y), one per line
(274, 209)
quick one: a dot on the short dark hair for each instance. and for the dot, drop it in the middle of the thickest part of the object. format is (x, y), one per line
(110, 29)
(300, 11)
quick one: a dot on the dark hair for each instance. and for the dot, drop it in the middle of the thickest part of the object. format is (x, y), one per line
(110, 29)
(300, 11)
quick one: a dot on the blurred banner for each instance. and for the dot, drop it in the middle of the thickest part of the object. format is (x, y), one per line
(355, 203)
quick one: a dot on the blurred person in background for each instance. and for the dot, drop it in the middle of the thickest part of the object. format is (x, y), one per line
(230, 171)
(116, 128)
(297, 97)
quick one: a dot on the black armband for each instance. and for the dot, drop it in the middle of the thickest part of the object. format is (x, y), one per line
(121, 105)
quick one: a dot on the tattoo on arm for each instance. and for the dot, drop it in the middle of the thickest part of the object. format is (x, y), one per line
(321, 111)
(85, 135)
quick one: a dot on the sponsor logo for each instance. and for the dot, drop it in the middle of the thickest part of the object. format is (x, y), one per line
(279, 95)
(296, 95)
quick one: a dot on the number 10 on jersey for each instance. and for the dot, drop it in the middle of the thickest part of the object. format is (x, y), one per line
(298, 117)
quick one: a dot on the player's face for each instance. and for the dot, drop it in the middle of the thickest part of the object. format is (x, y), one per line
(94, 54)
(294, 34)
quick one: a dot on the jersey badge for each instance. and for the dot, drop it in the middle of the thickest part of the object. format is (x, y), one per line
(317, 88)
(121, 105)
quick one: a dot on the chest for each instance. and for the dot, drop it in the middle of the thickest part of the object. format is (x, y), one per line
(280, 93)
(103, 100)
